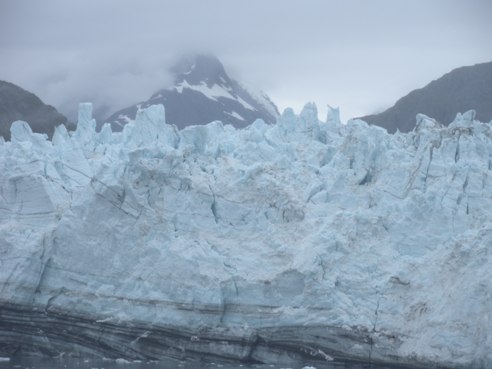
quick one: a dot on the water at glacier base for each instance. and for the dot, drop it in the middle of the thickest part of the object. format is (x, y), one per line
(49, 363)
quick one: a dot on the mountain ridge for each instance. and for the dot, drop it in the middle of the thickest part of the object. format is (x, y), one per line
(17, 103)
(462, 89)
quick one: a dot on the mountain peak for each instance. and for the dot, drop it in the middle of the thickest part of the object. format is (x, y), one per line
(198, 68)
(203, 92)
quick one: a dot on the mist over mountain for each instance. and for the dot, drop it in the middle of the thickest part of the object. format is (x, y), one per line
(461, 89)
(19, 104)
(202, 92)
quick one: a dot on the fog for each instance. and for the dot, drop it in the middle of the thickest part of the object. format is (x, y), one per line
(357, 54)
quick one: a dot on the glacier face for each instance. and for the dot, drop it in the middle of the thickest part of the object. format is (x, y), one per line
(266, 243)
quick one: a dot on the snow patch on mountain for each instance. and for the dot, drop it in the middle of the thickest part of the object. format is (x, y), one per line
(261, 98)
(213, 92)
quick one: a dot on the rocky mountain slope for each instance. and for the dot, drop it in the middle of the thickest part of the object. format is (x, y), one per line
(301, 239)
(203, 92)
(19, 104)
(460, 90)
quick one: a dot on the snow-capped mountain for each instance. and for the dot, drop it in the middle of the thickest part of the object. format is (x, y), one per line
(202, 93)
(297, 240)
(19, 104)
(462, 89)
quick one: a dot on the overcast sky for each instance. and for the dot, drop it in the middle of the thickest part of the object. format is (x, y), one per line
(360, 55)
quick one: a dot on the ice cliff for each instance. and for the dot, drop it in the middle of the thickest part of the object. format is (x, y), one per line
(270, 243)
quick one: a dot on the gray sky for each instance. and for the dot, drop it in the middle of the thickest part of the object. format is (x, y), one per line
(360, 55)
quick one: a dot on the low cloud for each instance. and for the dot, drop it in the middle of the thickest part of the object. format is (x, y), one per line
(356, 54)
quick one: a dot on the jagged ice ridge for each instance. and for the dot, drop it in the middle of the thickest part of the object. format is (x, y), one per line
(269, 243)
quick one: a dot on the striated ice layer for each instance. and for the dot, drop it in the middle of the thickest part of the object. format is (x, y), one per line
(262, 244)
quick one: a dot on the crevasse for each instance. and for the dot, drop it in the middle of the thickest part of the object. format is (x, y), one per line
(269, 243)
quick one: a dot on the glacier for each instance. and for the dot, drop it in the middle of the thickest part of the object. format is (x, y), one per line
(264, 244)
